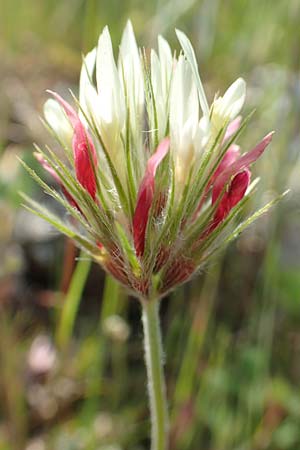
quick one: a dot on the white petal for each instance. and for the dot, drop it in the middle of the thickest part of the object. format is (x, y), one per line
(202, 134)
(131, 74)
(159, 98)
(166, 61)
(183, 98)
(86, 77)
(234, 98)
(190, 55)
(102, 119)
(161, 70)
(156, 75)
(184, 117)
(184, 156)
(108, 83)
(226, 108)
(58, 121)
(92, 102)
(188, 132)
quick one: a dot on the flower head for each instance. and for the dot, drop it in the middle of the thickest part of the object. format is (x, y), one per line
(152, 174)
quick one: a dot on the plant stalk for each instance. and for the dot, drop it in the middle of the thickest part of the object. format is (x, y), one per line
(156, 381)
(72, 300)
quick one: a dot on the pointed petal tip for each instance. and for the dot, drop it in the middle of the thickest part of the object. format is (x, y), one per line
(38, 156)
(240, 80)
(128, 24)
(267, 139)
(49, 91)
(180, 35)
(105, 34)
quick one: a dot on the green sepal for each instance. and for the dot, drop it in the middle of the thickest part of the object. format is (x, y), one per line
(53, 220)
(128, 250)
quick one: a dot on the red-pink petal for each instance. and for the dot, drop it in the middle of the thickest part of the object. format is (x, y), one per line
(233, 195)
(70, 112)
(239, 165)
(229, 158)
(54, 175)
(145, 196)
(83, 149)
(46, 166)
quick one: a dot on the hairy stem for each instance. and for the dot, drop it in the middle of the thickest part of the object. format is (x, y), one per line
(156, 382)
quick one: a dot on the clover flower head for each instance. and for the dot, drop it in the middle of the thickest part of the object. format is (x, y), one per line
(152, 177)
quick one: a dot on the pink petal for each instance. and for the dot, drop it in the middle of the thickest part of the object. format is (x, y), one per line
(70, 112)
(239, 165)
(46, 166)
(229, 158)
(235, 193)
(83, 149)
(145, 196)
(232, 128)
(54, 175)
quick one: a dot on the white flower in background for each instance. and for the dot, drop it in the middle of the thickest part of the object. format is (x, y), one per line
(155, 179)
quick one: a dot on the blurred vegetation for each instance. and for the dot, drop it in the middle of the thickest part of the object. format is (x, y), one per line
(72, 374)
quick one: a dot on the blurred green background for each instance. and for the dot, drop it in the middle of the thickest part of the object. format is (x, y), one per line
(72, 374)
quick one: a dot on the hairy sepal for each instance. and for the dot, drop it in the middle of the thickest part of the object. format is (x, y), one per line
(53, 220)
(242, 226)
(92, 214)
(209, 166)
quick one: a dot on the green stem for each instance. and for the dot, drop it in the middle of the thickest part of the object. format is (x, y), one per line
(156, 382)
(110, 299)
(72, 300)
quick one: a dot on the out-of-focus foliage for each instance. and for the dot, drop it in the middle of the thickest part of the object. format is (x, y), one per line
(232, 336)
